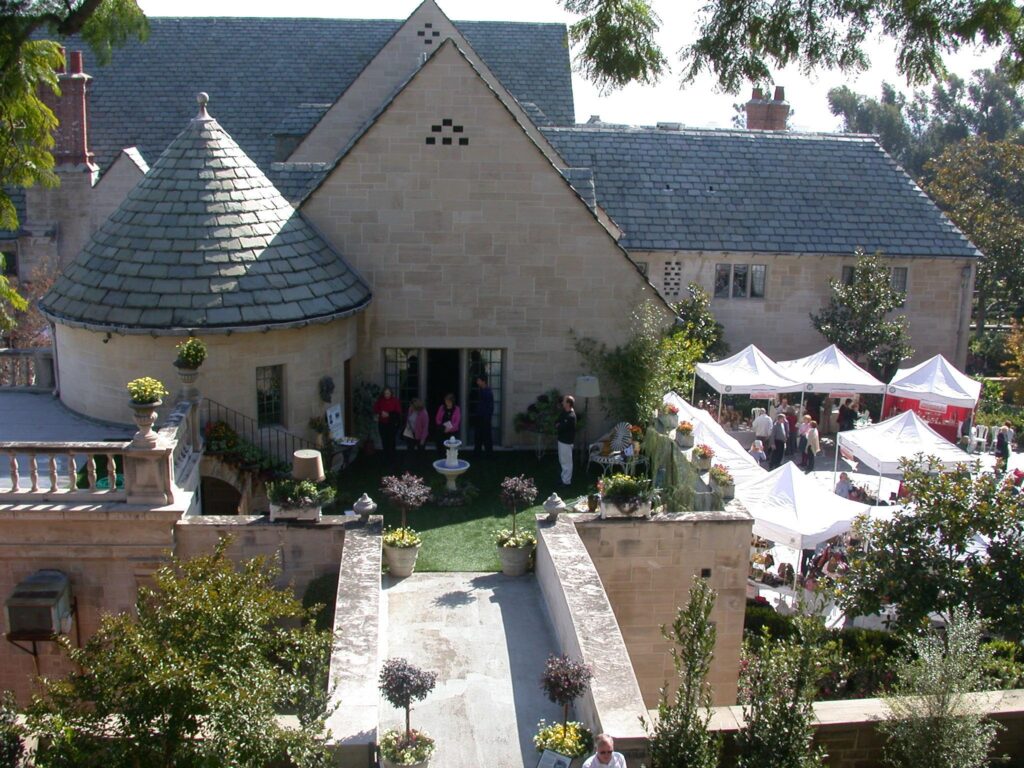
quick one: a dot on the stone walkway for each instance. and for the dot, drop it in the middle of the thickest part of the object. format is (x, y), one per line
(487, 636)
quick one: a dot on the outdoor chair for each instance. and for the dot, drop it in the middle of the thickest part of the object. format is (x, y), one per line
(979, 438)
(620, 450)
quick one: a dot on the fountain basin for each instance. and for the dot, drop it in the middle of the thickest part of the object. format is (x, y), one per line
(451, 472)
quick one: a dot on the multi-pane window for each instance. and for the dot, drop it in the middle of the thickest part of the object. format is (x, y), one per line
(740, 281)
(489, 363)
(402, 372)
(270, 395)
(897, 277)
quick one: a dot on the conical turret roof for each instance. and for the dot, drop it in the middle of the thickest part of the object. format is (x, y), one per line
(205, 241)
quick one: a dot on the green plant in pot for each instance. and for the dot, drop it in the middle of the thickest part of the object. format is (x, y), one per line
(191, 353)
(722, 481)
(401, 684)
(297, 499)
(146, 391)
(684, 434)
(515, 546)
(401, 548)
(702, 456)
(145, 395)
(564, 681)
(625, 495)
(408, 492)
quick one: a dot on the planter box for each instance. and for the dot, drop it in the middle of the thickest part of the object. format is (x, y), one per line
(514, 560)
(294, 513)
(401, 560)
(669, 421)
(702, 465)
(728, 491)
(615, 509)
(684, 441)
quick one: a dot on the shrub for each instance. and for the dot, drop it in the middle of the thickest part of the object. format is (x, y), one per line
(320, 597)
(515, 492)
(299, 493)
(408, 492)
(145, 390)
(191, 353)
(564, 681)
(11, 746)
(401, 684)
(571, 739)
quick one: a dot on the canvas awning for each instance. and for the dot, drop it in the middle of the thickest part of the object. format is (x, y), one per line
(748, 372)
(937, 381)
(790, 508)
(881, 446)
(830, 370)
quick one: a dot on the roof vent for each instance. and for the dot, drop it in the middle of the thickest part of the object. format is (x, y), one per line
(40, 607)
(670, 126)
(594, 120)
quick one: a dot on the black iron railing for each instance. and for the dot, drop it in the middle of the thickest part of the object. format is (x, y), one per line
(273, 441)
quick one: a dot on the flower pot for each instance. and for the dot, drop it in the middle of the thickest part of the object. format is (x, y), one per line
(684, 440)
(728, 490)
(669, 421)
(635, 508)
(281, 512)
(385, 763)
(702, 464)
(144, 418)
(401, 560)
(514, 560)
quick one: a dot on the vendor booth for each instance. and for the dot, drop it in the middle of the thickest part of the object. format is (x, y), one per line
(832, 373)
(937, 392)
(748, 372)
(728, 451)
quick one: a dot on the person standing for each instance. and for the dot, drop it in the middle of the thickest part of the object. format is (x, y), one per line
(1002, 449)
(387, 410)
(484, 414)
(447, 421)
(605, 754)
(780, 434)
(417, 426)
(813, 445)
(565, 428)
(801, 438)
(762, 427)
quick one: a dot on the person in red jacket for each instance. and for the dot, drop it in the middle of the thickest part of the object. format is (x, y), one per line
(388, 413)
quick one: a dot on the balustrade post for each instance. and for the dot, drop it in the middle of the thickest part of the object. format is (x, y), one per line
(149, 475)
(45, 378)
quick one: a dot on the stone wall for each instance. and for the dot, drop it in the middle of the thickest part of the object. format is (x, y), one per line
(481, 245)
(937, 308)
(647, 567)
(94, 369)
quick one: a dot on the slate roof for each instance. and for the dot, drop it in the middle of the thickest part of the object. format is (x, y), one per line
(204, 241)
(738, 190)
(260, 70)
(296, 180)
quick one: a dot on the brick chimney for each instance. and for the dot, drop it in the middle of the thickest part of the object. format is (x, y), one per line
(71, 109)
(765, 115)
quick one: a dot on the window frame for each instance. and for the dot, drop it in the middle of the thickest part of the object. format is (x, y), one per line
(727, 290)
(276, 380)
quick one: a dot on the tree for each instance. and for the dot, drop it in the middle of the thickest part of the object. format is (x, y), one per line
(1015, 365)
(401, 683)
(10, 299)
(980, 185)
(856, 318)
(564, 681)
(741, 40)
(515, 492)
(779, 680)
(680, 737)
(196, 678)
(926, 557)
(932, 724)
(408, 492)
(654, 360)
(12, 747)
(31, 328)
(698, 325)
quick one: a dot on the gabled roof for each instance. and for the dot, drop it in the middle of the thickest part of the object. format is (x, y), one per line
(204, 241)
(739, 190)
(263, 69)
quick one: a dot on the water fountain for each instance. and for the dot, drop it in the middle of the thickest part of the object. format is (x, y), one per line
(451, 466)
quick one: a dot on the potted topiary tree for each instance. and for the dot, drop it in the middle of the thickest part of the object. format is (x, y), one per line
(402, 545)
(515, 547)
(401, 684)
(564, 681)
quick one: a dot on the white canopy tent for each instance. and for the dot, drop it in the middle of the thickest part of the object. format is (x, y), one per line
(747, 372)
(830, 370)
(792, 509)
(728, 451)
(881, 446)
(935, 380)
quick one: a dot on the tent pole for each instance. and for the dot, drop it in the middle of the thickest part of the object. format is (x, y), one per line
(881, 413)
(801, 402)
(719, 407)
(878, 496)
(693, 391)
(835, 464)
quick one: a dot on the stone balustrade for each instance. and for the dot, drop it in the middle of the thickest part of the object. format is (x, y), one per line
(26, 369)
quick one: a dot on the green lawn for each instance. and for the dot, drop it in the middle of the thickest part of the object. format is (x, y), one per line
(459, 538)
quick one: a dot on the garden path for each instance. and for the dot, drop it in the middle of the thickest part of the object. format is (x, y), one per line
(488, 637)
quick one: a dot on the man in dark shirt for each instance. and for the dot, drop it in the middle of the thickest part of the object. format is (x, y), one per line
(566, 432)
(482, 417)
(780, 434)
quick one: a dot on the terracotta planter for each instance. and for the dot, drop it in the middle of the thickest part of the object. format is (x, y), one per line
(514, 560)
(144, 418)
(624, 509)
(684, 441)
(401, 560)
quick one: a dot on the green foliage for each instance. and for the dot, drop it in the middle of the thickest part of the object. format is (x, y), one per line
(1015, 365)
(654, 360)
(925, 557)
(299, 493)
(856, 318)
(320, 597)
(674, 477)
(932, 725)
(542, 414)
(145, 390)
(698, 324)
(10, 300)
(778, 682)
(617, 41)
(564, 681)
(401, 684)
(11, 733)
(979, 184)
(191, 352)
(402, 538)
(680, 737)
(514, 540)
(571, 739)
(195, 678)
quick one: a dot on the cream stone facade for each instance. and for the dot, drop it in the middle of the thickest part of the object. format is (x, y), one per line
(938, 301)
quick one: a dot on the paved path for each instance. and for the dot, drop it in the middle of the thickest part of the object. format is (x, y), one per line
(487, 636)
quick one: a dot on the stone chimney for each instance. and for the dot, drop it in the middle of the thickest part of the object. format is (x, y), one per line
(765, 115)
(71, 109)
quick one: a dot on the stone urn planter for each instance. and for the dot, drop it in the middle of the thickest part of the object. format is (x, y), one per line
(515, 560)
(401, 560)
(364, 507)
(554, 506)
(144, 416)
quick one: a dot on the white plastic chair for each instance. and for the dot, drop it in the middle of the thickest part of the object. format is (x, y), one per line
(979, 438)
(618, 438)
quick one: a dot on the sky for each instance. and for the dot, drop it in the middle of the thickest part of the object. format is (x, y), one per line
(700, 104)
